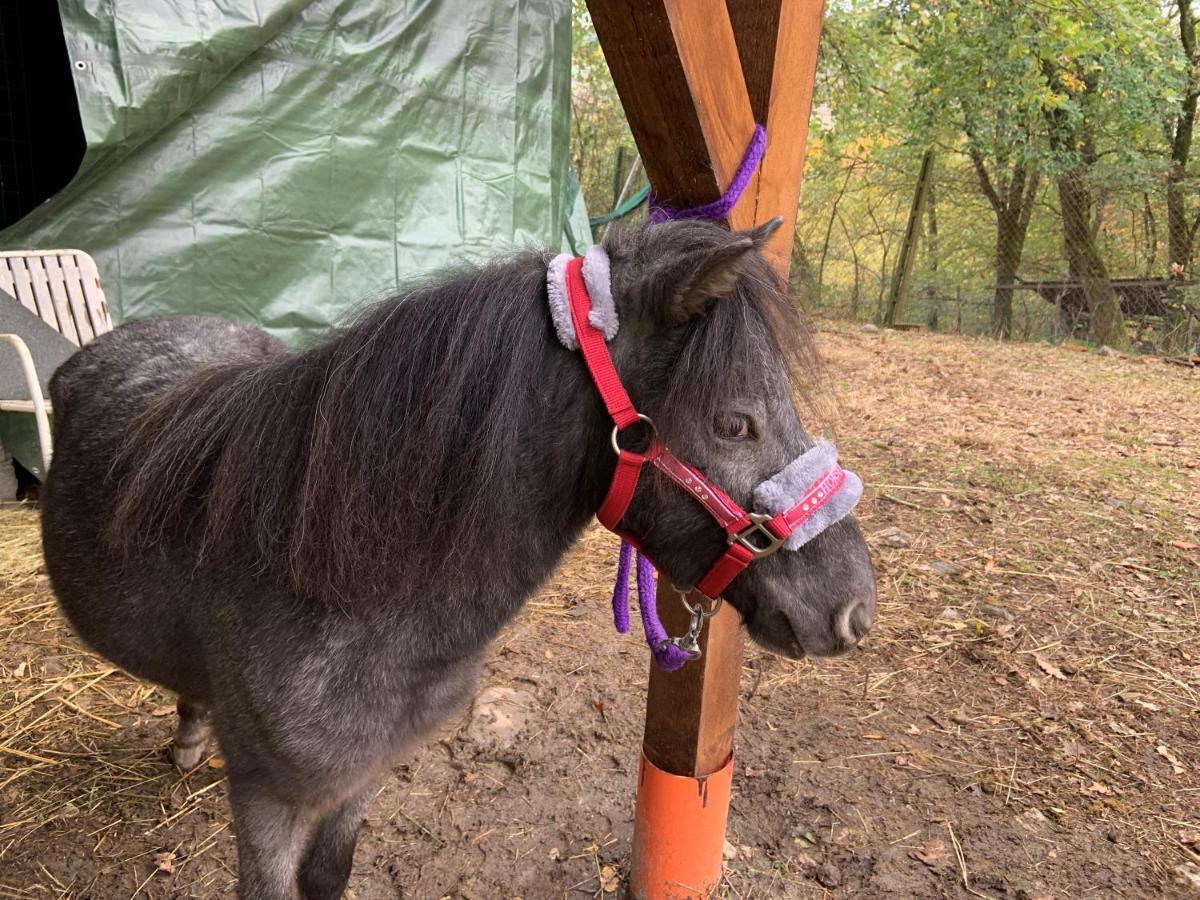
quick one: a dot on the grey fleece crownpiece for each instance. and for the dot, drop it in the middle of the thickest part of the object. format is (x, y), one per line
(597, 277)
(781, 492)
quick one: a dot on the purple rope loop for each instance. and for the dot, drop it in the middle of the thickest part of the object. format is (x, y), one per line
(723, 205)
(667, 657)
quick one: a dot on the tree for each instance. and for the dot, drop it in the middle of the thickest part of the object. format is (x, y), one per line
(599, 132)
(1181, 234)
(1047, 88)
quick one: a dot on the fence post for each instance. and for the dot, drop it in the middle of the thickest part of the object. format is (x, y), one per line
(902, 274)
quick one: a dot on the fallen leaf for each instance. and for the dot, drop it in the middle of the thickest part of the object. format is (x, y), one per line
(216, 763)
(1048, 666)
(165, 861)
(1165, 752)
(554, 853)
(19, 671)
(609, 879)
(1185, 545)
(933, 854)
(1188, 874)
(892, 537)
(159, 711)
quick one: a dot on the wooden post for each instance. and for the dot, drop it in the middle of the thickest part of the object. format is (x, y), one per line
(694, 76)
(902, 274)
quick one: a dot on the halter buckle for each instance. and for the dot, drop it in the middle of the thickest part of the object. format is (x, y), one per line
(753, 536)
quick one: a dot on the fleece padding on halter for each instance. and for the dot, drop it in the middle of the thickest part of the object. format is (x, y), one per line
(596, 275)
(783, 491)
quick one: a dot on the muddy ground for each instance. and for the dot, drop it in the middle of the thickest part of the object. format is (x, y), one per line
(1022, 723)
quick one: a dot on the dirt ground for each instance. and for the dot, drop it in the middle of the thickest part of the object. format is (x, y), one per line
(1022, 723)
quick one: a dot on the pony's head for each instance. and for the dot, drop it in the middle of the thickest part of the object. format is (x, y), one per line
(710, 348)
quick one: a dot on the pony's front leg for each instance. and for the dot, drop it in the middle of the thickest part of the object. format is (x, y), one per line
(272, 836)
(326, 866)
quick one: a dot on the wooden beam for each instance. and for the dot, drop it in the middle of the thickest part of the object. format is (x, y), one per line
(678, 67)
(691, 715)
(777, 41)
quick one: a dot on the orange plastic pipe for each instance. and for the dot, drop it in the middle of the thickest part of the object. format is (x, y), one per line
(679, 833)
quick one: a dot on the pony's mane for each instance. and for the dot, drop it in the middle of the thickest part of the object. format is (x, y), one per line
(381, 435)
(340, 467)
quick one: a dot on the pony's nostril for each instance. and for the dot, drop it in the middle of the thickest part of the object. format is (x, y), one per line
(853, 621)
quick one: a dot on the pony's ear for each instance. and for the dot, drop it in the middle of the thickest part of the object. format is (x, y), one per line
(696, 278)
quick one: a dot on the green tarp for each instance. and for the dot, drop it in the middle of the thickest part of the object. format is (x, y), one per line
(282, 160)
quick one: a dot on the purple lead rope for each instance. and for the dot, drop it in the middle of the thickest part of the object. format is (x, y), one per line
(723, 205)
(667, 656)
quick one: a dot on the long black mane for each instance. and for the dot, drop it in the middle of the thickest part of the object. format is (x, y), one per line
(342, 466)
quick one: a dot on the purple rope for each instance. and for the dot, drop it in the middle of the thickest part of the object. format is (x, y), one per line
(723, 205)
(620, 600)
(667, 657)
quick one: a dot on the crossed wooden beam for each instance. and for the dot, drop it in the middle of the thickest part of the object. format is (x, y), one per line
(694, 76)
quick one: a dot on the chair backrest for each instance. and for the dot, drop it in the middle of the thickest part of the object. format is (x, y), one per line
(61, 287)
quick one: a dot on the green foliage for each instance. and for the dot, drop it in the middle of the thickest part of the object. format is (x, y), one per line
(998, 80)
(988, 78)
(599, 133)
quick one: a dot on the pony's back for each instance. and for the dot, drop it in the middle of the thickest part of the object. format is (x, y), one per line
(99, 396)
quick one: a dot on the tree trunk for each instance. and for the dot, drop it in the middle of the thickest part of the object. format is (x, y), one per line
(1013, 206)
(1180, 251)
(1179, 235)
(1010, 239)
(902, 276)
(820, 288)
(1085, 263)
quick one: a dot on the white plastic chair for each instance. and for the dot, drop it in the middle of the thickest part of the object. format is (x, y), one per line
(62, 288)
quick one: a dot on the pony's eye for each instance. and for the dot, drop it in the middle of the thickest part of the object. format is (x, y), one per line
(734, 427)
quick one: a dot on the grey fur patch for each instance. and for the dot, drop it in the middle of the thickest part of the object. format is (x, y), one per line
(598, 278)
(560, 311)
(781, 492)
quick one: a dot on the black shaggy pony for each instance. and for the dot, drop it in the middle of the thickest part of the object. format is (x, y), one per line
(314, 549)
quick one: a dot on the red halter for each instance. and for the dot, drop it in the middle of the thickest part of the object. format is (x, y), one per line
(751, 535)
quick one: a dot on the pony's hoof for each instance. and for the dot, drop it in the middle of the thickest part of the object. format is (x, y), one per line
(186, 758)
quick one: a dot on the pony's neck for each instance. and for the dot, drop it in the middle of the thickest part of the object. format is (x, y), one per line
(453, 440)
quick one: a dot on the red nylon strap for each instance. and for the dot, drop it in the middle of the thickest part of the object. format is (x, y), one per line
(816, 497)
(724, 570)
(720, 505)
(595, 351)
(620, 491)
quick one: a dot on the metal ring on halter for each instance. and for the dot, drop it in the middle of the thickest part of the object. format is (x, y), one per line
(641, 418)
(699, 610)
(689, 642)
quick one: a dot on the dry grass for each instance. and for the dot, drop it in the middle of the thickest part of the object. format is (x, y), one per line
(1034, 518)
